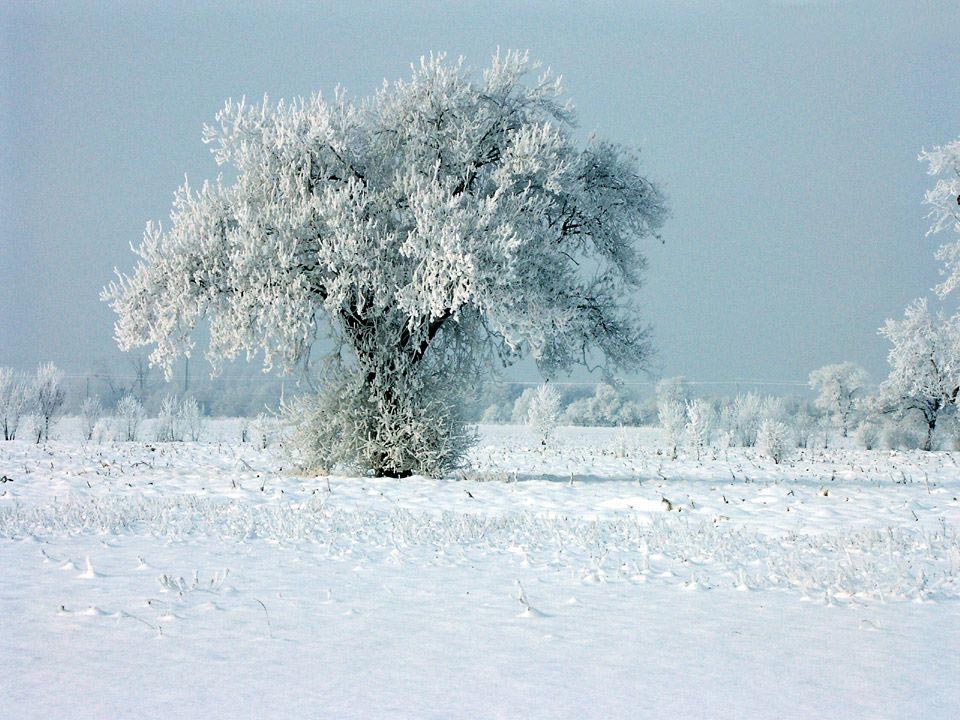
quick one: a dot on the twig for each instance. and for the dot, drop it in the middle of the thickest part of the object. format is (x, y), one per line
(269, 628)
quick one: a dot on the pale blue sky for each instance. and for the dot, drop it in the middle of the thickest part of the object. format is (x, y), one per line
(785, 135)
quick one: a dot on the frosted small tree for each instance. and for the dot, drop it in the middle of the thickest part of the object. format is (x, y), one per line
(263, 430)
(673, 419)
(544, 413)
(700, 420)
(521, 406)
(168, 428)
(804, 426)
(773, 440)
(943, 162)
(868, 433)
(191, 418)
(448, 223)
(13, 401)
(838, 387)
(746, 415)
(91, 410)
(48, 396)
(129, 416)
(924, 366)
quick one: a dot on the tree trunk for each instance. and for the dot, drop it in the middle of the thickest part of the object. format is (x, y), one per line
(928, 441)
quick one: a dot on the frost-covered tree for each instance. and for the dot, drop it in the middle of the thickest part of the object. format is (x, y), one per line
(868, 433)
(803, 425)
(47, 396)
(91, 410)
(943, 162)
(773, 440)
(446, 223)
(191, 418)
(700, 416)
(747, 415)
(129, 416)
(606, 407)
(924, 366)
(838, 387)
(544, 412)
(14, 400)
(521, 406)
(168, 428)
(673, 419)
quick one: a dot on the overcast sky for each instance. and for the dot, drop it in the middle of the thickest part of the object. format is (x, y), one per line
(785, 135)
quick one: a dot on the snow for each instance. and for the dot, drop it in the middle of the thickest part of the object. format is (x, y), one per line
(596, 578)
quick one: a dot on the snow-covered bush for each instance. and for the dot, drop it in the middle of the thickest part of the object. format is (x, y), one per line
(263, 430)
(607, 407)
(521, 406)
(129, 416)
(773, 440)
(191, 418)
(439, 227)
(902, 434)
(700, 417)
(168, 427)
(47, 399)
(838, 387)
(347, 426)
(673, 419)
(105, 430)
(868, 433)
(495, 414)
(91, 410)
(745, 418)
(14, 400)
(804, 426)
(543, 413)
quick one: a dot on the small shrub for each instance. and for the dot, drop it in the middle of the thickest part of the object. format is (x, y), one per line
(14, 400)
(804, 428)
(421, 431)
(129, 416)
(901, 435)
(544, 412)
(168, 427)
(699, 424)
(262, 431)
(773, 440)
(91, 410)
(105, 430)
(521, 407)
(191, 419)
(868, 434)
(48, 397)
(673, 419)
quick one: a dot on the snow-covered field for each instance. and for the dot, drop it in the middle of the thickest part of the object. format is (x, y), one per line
(595, 579)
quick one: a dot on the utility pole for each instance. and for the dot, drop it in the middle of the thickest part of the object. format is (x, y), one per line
(186, 375)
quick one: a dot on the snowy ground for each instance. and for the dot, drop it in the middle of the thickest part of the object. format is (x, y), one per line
(599, 579)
